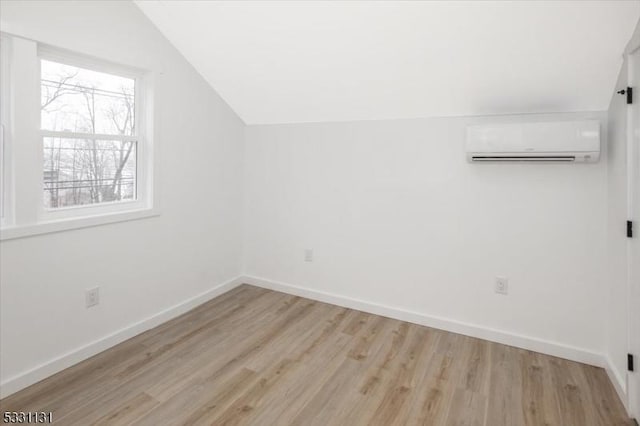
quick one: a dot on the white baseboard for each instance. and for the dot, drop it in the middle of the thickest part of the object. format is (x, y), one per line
(525, 342)
(619, 382)
(34, 375)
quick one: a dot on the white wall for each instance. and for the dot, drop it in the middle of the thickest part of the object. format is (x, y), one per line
(397, 217)
(143, 267)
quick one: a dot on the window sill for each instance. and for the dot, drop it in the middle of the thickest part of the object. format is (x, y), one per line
(22, 231)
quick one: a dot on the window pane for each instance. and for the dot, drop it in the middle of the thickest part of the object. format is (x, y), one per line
(87, 171)
(79, 100)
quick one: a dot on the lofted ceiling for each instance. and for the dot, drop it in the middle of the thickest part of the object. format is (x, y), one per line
(285, 61)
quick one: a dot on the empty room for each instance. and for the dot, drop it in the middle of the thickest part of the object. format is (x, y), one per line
(320, 212)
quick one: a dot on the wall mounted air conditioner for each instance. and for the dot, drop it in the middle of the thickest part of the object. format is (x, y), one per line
(562, 141)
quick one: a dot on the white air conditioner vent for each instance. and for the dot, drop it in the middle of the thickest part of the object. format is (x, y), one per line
(572, 141)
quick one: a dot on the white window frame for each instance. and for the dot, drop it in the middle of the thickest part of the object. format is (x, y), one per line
(6, 212)
(25, 203)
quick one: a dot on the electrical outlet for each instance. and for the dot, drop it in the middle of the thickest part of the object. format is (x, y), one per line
(502, 285)
(308, 255)
(92, 297)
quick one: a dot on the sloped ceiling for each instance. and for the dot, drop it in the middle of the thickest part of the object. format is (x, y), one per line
(284, 62)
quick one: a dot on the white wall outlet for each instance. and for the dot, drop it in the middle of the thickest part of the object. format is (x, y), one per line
(502, 285)
(308, 255)
(92, 297)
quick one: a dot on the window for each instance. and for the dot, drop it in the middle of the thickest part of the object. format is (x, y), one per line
(84, 155)
(88, 136)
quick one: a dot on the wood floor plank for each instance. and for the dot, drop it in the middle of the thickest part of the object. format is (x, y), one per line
(128, 412)
(332, 400)
(254, 356)
(413, 373)
(201, 402)
(476, 367)
(292, 394)
(436, 392)
(505, 408)
(367, 388)
(251, 400)
(399, 381)
(534, 392)
(358, 321)
(467, 409)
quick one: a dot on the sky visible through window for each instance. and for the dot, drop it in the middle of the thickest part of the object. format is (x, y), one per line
(85, 101)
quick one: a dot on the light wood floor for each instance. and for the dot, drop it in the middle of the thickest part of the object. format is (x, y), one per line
(254, 356)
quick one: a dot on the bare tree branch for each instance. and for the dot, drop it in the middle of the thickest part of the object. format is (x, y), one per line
(60, 89)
